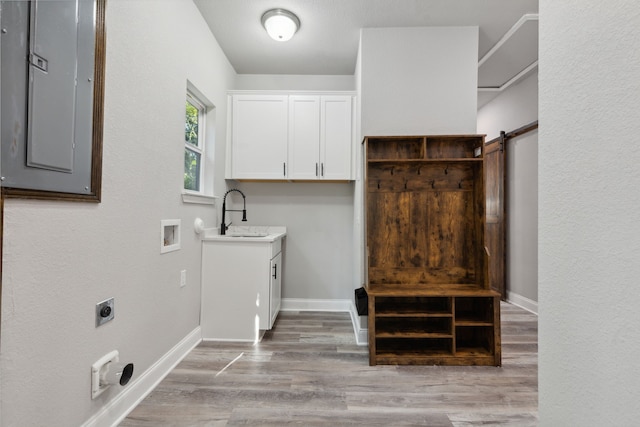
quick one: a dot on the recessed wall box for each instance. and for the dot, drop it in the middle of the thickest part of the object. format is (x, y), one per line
(170, 235)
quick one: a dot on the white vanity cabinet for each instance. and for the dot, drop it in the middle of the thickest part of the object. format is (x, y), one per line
(275, 290)
(305, 136)
(241, 286)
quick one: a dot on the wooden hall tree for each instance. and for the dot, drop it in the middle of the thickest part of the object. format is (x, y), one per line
(427, 265)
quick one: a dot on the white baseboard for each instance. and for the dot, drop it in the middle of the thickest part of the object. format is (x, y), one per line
(117, 409)
(522, 302)
(362, 334)
(343, 305)
(304, 304)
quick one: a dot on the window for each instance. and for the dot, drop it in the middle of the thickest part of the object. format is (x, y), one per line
(194, 144)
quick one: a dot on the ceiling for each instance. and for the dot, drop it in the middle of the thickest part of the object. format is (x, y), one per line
(327, 42)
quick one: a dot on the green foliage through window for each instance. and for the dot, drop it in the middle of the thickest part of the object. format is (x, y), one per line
(191, 170)
(194, 144)
(191, 125)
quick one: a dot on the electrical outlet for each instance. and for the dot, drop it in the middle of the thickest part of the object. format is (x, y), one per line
(183, 278)
(104, 312)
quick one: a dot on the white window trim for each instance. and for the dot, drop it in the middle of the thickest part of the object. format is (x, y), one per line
(196, 198)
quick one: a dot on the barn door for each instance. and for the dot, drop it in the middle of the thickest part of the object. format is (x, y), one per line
(495, 212)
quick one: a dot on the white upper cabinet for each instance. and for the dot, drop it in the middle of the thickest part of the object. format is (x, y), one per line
(336, 136)
(320, 141)
(292, 137)
(259, 137)
(304, 137)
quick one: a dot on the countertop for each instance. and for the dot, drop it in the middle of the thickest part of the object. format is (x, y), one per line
(246, 233)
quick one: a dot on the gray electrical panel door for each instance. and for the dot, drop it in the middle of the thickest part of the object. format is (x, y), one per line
(48, 52)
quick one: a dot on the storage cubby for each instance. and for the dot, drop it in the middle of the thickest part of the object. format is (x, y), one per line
(398, 348)
(412, 306)
(413, 326)
(455, 147)
(426, 275)
(474, 340)
(390, 148)
(474, 310)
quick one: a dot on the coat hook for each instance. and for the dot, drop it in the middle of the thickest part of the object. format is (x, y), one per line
(419, 170)
(391, 171)
(378, 184)
(459, 184)
(433, 182)
(405, 184)
(446, 170)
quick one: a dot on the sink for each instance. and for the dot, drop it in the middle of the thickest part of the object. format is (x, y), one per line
(260, 233)
(247, 234)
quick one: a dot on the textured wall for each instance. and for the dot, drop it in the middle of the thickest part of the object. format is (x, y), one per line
(589, 198)
(293, 82)
(417, 81)
(61, 258)
(319, 256)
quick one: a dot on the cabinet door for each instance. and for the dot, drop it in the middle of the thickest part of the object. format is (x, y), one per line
(276, 288)
(304, 137)
(335, 137)
(259, 137)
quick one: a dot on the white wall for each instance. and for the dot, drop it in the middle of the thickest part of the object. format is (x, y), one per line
(589, 195)
(515, 107)
(61, 258)
(318, 259)
(418, 81)
(294, 82)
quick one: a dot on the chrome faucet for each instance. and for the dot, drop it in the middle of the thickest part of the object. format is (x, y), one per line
(223, 226)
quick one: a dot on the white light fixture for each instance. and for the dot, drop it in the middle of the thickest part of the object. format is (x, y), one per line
(280, 24)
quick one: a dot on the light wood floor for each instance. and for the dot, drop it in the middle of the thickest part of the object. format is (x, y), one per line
(308, 371)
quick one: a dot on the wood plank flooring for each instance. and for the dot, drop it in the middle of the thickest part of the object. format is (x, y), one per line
(308, 371)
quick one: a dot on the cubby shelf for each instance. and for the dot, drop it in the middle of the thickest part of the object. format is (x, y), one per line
(429, 299)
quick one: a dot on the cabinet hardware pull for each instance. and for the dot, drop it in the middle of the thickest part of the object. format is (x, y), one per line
(316, 169)
(322, 168)
(275, 271)
(284, 168)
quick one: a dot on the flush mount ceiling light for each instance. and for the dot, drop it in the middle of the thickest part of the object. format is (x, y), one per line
(280, 24)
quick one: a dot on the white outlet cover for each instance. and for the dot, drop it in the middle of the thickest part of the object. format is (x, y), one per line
(97, 370)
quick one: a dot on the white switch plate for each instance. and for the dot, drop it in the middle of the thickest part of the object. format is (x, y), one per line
(183, 278)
